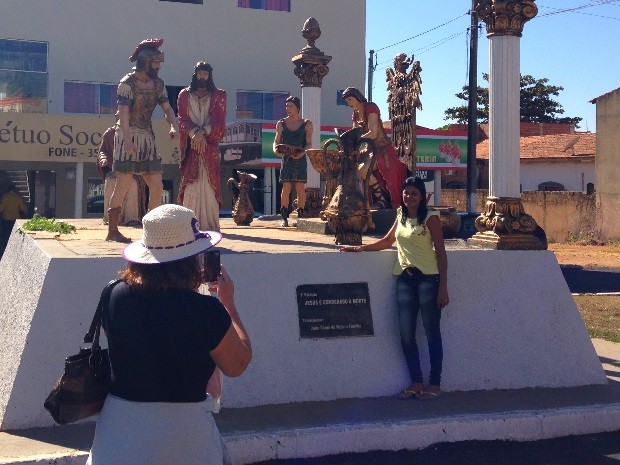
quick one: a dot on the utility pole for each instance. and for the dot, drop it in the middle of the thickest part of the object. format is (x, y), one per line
(472, 111)
(371, 70)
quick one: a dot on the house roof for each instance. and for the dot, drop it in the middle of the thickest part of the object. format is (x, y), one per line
(581, 145)
(604, 95)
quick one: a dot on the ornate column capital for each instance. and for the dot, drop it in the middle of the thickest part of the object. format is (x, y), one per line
(311, 63)
(505, 17)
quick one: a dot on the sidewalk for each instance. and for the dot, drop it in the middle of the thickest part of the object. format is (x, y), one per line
(360, 425)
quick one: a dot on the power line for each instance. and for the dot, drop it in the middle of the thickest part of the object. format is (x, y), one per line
(581, 7)
(425, 48)
(558, 11)
(584, 13)
(422, 33)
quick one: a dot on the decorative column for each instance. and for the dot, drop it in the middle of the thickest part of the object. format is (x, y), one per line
(310, 68)
(504, 223)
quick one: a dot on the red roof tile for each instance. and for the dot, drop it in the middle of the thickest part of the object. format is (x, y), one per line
(556, 146)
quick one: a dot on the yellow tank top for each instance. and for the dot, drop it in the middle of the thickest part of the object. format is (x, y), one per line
(414, 245)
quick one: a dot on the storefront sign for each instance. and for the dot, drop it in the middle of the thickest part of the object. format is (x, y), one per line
(425, 175)
(435, 150)
(334, 310)
(66, 138)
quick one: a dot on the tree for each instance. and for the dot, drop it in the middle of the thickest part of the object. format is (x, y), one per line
(537, 104)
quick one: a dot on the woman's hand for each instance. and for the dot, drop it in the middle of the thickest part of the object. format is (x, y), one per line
(225, 288)
(442, 297)
(351, 248)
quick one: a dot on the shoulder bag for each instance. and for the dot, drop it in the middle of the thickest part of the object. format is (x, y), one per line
(83, 387)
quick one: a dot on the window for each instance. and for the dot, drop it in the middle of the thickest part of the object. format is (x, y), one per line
(261, 105)
(23, 76)
(88, 97)
(339, 99)
(275, 5)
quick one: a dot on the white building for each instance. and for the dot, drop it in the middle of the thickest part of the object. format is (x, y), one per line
(60, 63)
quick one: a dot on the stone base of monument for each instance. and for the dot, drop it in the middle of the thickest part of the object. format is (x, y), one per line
(511, 323)
(490, 240)
(383, 220)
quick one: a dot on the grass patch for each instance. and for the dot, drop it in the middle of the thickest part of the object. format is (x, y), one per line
(41, 223)
(601, 314)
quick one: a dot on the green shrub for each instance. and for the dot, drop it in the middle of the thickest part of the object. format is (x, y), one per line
(41, 223)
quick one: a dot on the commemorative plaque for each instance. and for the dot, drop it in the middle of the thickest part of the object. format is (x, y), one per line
(334, 310)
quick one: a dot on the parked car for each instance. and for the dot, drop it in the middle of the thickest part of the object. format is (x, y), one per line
(94, 204)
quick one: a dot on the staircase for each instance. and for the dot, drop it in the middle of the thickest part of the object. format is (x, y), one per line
(19, 179)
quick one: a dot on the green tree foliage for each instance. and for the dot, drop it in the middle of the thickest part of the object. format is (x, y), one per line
(537, 104)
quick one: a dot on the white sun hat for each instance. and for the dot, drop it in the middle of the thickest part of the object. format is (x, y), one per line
(169, 232)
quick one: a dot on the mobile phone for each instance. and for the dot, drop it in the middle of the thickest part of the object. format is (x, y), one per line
(211, 265)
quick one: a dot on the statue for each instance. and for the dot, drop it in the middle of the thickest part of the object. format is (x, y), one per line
(293, 137)
(202, 126)
(386, 179)
(243, 211)
(404, 89)
(134, 205)
(139, 92)
(348, 212)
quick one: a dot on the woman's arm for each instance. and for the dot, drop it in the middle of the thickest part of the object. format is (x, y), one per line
(234, 352)
(384, 243)
(434, 226)
(373, 126)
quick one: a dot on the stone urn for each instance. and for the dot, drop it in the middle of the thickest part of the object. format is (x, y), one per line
(450, 220)
(243, 210)
(348, 211)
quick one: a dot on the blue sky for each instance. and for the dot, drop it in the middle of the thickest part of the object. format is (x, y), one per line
(578, 50)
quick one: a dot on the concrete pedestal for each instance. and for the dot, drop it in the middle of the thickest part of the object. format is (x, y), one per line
(511, 322)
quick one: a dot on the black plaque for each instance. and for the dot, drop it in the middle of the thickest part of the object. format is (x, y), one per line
(334, 310)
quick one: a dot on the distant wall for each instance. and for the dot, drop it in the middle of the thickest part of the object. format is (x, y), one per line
(562, 214)
(607, 174)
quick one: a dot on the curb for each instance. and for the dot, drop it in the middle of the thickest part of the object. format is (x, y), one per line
(525, 425)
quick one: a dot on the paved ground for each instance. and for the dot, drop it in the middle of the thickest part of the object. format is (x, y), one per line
(581, 281)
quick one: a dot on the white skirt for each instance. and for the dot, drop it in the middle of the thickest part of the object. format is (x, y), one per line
(153, 433)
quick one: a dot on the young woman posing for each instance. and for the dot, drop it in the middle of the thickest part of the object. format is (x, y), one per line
(421, 284)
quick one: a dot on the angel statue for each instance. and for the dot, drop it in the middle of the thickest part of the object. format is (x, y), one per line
(404, 89)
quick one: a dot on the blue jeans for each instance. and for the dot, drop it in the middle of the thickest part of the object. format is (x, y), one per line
(417, 293)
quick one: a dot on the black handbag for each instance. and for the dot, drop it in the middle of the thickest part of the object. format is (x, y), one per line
(83, 387)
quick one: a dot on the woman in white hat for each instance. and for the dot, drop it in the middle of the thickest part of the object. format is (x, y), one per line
(165, 341)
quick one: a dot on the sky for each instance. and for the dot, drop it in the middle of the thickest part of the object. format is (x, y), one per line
(578, 50)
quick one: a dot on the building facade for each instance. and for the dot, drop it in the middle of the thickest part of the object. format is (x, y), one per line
(60, 63)
(607, 158)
